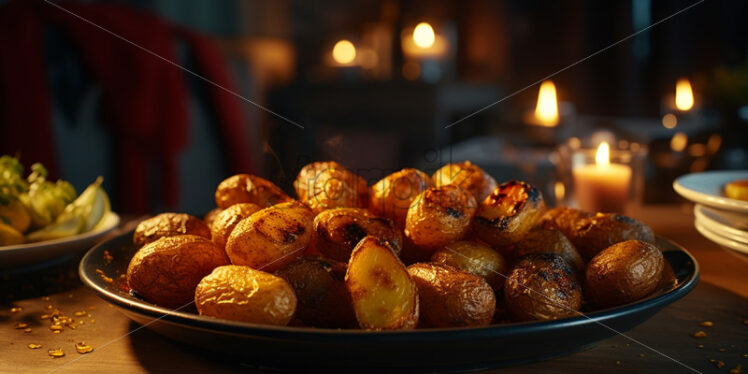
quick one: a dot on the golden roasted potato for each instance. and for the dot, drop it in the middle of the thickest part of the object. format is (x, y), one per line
(468, 176)
(449, 297)
(337, 231)
(14, 213)
(384, 296)
(9, 235)
(439, 216)
(166, 271)
(477, 259)
(737, 189)
(308, 175)
(542, 287)
(272, 237)
(542, 240)
(564, 219)
(623, 272)
(336, 187)
(168, 224)
(240, 293)
(211, 216)
(508, 213)
(227, 219)
(245, 188)
(392, 195)
(319, 285)
(602, 230)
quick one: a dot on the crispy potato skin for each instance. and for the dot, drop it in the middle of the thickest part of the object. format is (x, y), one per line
(168, 224)
(227, 219)
(564, 219)
(452, 298)
(623, 272)
(383, 294)
(337, 231)
(477, 259)
(439, 216)
(323, 300)
(211, 216)
(602, 230)
(308, 175)
(240, 293)
(508, 213)
(245, 188)
(165, 272)
(542, 287)
(542, 240)
(335, 188)
(271, 238)
(392, 195)
(468, 176)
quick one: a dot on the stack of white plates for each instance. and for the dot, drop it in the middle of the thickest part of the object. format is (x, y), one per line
(720, 219)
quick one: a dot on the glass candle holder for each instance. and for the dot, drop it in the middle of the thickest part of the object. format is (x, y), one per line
(600, 176)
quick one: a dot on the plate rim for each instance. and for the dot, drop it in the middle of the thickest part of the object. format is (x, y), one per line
(70, 239)
(717, 227)
(194, 321)
(716, 201)
(721, 240)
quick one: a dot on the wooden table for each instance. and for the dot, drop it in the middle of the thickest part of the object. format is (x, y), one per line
(721, 297)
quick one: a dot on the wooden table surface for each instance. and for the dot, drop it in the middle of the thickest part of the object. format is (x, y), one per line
(721, 297)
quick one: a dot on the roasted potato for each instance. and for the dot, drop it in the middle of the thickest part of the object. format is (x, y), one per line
(542, 287)
(334, 188)
(168, 224)
(15, 214)
(245, 188)
(209, 217)
(272, 237)
(542, 240)
(623, 272)
(383, 294)
(508, 213)
(337, 231)
(468, 176)
(240, 293)
(477, 259)
(308, 175)
(439, 216)
(166, 271)
(227, 219)
(323, 300)
(449, 297)
(602, 230)
(564, 219)
(392, 195)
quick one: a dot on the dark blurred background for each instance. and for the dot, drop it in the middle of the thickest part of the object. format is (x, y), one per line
(88, 103)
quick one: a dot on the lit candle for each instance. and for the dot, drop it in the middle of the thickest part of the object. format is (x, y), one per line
(424, 42)
(546, 109)
(683, 95)
(604, 186)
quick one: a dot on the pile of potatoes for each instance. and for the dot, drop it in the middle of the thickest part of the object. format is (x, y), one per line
(452, 250)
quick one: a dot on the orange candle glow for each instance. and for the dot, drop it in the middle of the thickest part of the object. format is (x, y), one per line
(603, 186)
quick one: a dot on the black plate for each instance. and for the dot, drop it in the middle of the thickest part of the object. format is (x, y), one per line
(445, 349)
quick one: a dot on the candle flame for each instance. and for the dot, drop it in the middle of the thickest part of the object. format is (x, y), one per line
(423, 35)
(683, 94)
(602, 156)
(344, 52)
(546, 111)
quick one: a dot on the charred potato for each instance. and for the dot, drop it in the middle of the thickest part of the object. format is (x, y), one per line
(211, 216)
(165, 272)
(392, 195)
(308, 175)
(337, 187)
(449, 297)
(602, 230)
(439, 216)
(468, 176)
(477, 259)
(272, 237)
(564, 219)
(508, 213)
(383, 294)
(542, 240)
(168, 224)
(323, 300)
(245, 188)
(337, 231)
(227, 219)
(623, 272)
(542, 287)
(240, 293)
